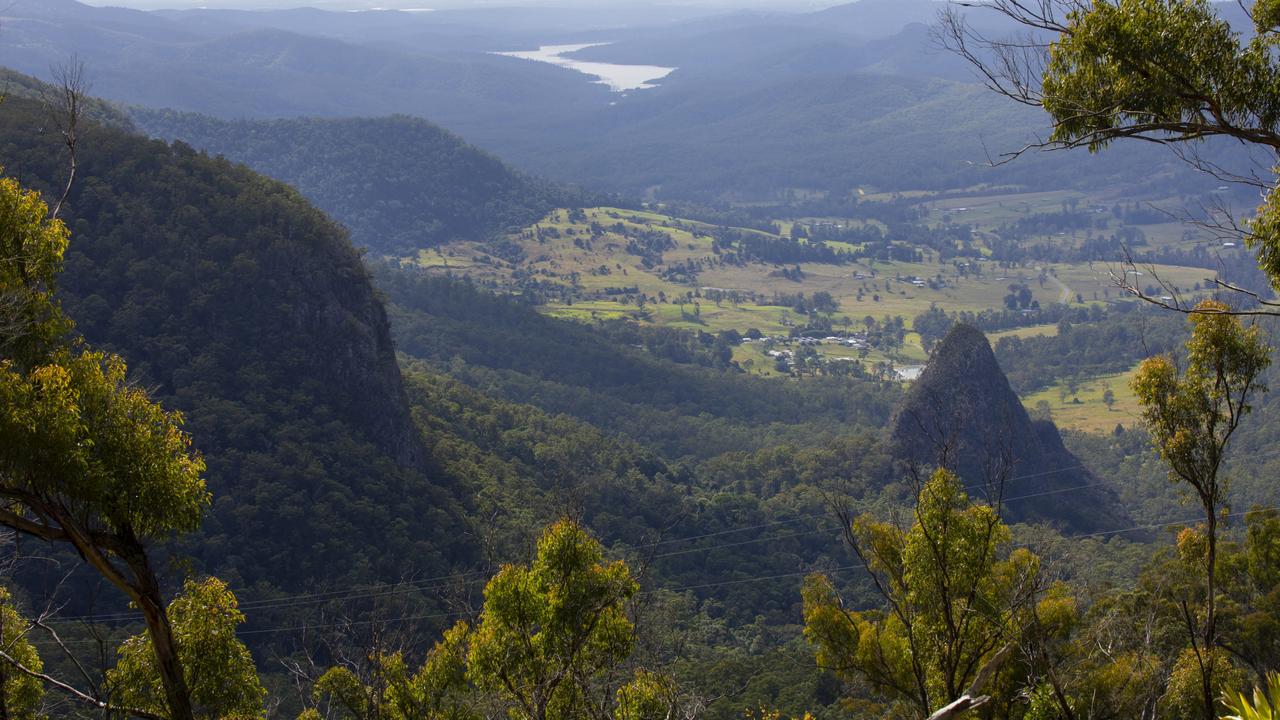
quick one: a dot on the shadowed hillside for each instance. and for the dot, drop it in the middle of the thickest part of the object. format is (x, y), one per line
(399, 183)
(248, 310)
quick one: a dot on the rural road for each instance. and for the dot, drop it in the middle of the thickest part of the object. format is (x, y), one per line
(1065, 296)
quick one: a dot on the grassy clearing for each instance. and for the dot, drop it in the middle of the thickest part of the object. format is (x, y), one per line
(587, 310)
(1090, 414)
(993, 210)
(1050, 330)
(752, 358)
(591, 260)
(444, 259)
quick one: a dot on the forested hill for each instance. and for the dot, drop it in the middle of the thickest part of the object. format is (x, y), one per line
(608, 375)
(248, 310)
(807, 104)
(399, 183)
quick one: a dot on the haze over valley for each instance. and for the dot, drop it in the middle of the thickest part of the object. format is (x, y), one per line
(608, 361)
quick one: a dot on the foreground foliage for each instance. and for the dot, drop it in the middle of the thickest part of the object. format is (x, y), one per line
(955, 595)
(89, 460)
(550, 644)
(1192, 416)
(1260, 707)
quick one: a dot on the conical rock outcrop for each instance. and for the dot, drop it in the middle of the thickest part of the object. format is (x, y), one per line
(962, 413)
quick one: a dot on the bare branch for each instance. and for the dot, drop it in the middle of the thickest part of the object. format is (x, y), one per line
(1173, 302)
(65, 105)
(972, 700)
(77, 694)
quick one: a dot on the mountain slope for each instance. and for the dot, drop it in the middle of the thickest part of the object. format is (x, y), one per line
(399, 183)
(511, 351)
(875, 18)
(261, 71)
(249, 311)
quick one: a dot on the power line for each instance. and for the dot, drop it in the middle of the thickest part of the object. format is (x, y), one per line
(349, 594)
(447, 580)
(456, 580)
(1174, 523)
(740, 581)
(453, 580)
(407, 618)
(314, 598)
(724, 583)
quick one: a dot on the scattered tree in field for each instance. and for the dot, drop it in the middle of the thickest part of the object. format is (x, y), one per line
(1109, 398)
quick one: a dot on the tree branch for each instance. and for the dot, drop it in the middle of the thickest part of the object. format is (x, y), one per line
(77, 694)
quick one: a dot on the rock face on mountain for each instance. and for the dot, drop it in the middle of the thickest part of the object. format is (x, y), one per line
(963, 414)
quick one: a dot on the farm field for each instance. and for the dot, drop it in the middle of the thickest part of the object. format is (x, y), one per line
(1161, 225)
(1047, 330)
(1084, 408)
(610, 263)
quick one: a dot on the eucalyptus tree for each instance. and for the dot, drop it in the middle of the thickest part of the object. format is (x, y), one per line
(86, 458)
(957, 598)
(1172, 72)
(1192, 414)
(552, 642)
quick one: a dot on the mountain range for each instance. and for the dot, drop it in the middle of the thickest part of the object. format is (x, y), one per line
(760, 105)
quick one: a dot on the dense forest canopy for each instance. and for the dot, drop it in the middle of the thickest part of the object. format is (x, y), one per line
(398, 183)
(245, 290)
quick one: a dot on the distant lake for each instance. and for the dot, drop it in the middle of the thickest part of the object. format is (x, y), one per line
(619, 78)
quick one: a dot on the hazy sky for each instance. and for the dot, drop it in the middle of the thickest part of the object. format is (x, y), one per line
(447, 4)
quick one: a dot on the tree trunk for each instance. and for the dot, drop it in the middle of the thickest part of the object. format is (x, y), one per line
(143, 589)
(1210, 636)
(4, 705)
(151, 603)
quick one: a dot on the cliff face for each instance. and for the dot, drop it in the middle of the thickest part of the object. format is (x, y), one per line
(962, 413)
(247, 309)
(336, 328)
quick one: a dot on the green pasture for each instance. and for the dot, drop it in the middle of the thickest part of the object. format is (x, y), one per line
(1084, 408)
(1048, 330)
(558, 251)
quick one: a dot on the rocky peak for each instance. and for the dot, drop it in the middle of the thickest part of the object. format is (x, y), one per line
(962, 413)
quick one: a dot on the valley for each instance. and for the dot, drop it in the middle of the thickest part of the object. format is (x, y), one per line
(608, 361)
(856, 307)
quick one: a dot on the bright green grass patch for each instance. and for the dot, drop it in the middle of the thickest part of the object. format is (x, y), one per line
(1090, 414)
(589, 310)
(1048, 330)
(751, 357)
(444, 259)
(599, 272)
